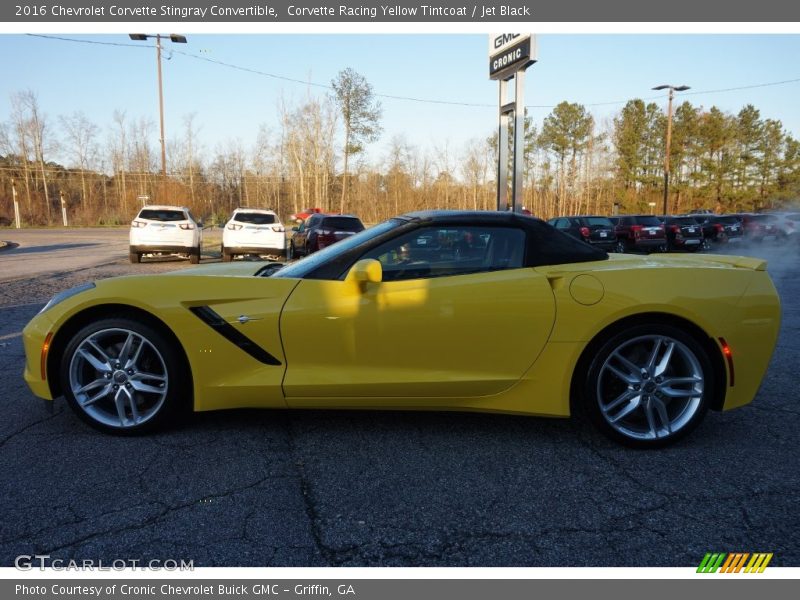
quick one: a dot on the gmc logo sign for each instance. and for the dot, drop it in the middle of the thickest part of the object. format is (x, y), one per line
(504, 39)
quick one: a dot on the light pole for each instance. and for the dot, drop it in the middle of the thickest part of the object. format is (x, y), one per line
(672, 89)
(176, 39)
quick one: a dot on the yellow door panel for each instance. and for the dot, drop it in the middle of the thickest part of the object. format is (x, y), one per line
(458, 336)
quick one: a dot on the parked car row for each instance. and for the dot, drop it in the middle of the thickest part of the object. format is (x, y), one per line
(670, 233)
(160, 230)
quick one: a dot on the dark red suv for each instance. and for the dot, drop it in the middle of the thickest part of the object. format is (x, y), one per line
(321, 230)
(640, 232)
(759, 227)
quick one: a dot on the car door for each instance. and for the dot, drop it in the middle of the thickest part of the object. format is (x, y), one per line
(456, 315)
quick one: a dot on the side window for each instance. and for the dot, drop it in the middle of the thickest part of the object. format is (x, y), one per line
(446, 251)
(562, 223)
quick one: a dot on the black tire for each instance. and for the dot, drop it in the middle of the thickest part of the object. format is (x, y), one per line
(653, 419)
(620, 247)
(135, 257)
(226, 256)
(290, 252)
(194, 257)
(157, 402)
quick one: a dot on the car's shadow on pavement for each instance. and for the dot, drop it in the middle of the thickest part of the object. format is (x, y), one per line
(51, 248)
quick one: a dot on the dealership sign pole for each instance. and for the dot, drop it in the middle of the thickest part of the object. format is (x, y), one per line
(509, 55)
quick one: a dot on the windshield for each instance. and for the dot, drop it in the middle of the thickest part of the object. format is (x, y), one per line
(599, 222)
(157, 214)
(342, 223)
(254, 218)
(681, 221)
(305, 265)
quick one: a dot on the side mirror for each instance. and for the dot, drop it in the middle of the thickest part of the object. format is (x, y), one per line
(368, 270)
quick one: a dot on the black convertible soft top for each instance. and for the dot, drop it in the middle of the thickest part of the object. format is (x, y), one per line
(546, 244)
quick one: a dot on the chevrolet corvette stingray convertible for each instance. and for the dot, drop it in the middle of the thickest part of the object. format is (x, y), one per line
(478, 311)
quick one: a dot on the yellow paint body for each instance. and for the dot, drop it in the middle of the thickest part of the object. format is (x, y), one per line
(504, 341)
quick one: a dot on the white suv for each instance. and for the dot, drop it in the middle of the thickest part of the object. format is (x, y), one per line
(253, 231)
(166, 230)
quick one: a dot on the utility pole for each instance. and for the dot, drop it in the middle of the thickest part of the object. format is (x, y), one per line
(672, 90)
(161, 108)
(176, 39)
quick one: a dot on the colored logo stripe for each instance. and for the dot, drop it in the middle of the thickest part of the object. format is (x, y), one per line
(711, 563)
(733, 562)
(758, 563)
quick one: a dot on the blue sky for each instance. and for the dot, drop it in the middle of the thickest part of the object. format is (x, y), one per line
(591, 69)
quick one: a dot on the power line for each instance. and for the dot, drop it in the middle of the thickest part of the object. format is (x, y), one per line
(395, 97)
(63, 39)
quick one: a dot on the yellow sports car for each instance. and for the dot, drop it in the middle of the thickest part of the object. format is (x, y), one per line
(482, 311)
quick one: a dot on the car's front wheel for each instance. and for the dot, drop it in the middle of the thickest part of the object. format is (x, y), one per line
(122, 376)
(648, 385)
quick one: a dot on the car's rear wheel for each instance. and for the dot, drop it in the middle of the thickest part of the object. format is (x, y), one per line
(122, 376)
(135, 257)
(194, 256)
(648, 386)
(620, 247)
(226, 256)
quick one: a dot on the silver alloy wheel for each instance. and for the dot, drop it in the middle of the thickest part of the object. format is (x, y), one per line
(118, 378)
(650, 387)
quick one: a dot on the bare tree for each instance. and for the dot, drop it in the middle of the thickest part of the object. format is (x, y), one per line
(81, 134)
(36, 125)
(118, 146)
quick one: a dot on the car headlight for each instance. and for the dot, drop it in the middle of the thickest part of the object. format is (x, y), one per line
(61, 296)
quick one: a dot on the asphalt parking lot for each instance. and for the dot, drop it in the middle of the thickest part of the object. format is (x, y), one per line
(269, 488)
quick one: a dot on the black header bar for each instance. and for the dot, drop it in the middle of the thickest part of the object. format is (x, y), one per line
(397, 11)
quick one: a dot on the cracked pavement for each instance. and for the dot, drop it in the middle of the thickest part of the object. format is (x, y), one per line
(336, 488)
